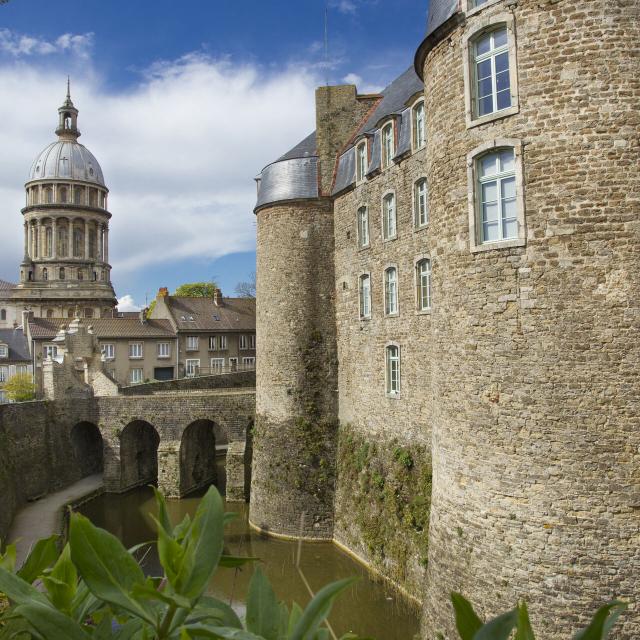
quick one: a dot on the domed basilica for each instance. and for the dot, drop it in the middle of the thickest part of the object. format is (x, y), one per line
(65, 271)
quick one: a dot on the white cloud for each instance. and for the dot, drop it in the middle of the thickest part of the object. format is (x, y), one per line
(344, 6)
(127, 303)
(19, 45)
(179, 150)
(363, 87)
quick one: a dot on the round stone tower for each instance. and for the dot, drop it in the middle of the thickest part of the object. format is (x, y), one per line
(534, 191)
(65, 270)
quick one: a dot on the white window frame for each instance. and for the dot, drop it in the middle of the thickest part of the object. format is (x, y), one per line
(387, 153)
(249, 361)
(213, 343)
(478, 28)
(362, 161)
(391, 293)
(49, 351)
(222, 343)
(419, 284)
(191, 366)
(475, 243)
(471, 7)
(136, 375)
(191, 341)
(252, 341)
(244, 343)
(386, 227)
(392, 383)
(4, 351)
(362, 224)
(418, 223)
(418, 136)
(22, 368)
(163, 350)
(136, 351)
(217, 364)
(4, 373)
(108, 350)
(364, 302)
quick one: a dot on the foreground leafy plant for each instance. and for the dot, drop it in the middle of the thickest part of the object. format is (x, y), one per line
(95, 588)
(470, 627)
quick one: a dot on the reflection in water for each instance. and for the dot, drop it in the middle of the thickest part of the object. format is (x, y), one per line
(370, 608)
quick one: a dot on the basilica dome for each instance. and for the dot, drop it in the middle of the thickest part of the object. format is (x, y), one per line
(66, 160)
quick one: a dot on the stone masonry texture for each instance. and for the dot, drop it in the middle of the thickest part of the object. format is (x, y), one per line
(534, 375)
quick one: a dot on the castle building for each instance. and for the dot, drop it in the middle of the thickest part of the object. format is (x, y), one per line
(447, 317)
(65, 271)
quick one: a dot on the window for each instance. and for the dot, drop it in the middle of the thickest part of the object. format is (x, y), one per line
(21, 369)
(388, 145)
(80, 274)
(491, 72)
(423, 284)
(136, 376)
(248, 342)
(78, 192)
(49, 313)
(192, 367)
(389, 217)
(4, 374)
(192, 343)
(252, 341)
(164, 350)
(418, 125)
(49, 351)
(362, 161)
(4, 351)
(222, 342)
(233, 364)
(496, 196)
(78, 239)
(135, 350)
(213, 343)
(48, 242)
(363, 227)
(88, 313)
(61, 273)
(109, 351)
(62, 246)
(62, 195)
(3, 314)
(393, 370)
(365, 295)
(217, 365)
(391, 291)
(249, 363)
(70, 313)
(45, 274)
(421, 203)
(48, 195)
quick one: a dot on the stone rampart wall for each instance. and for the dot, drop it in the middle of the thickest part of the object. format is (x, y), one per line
(244, 379)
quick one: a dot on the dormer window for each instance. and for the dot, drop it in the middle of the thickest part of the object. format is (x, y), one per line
(418, 125)
(387, 140)
(362, 161)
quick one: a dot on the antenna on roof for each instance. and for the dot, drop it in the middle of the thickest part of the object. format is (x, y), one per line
(326, 42)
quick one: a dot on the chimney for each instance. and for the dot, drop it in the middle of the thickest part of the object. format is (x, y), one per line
(217, 298)
(163, 292)
(26, 316)
(142, 315)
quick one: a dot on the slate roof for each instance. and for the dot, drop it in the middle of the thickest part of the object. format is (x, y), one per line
(303, 149)
(18, 346)
(5, 286)
(202, 314)
(439, 12)
(47, 328)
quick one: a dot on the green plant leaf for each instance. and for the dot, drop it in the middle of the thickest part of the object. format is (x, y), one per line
(294, 617)
(467, 622)
(498, 628)
(50, 623)
(318, 609)
(524, 630)
(18, 590)
(231, 562)
(43, 555)
(181, 529)
(109, 571)
(602, 622)
(220, 633)
(163, 514)
(62, 582)
(209, 607)
(8, 558)
(170, 553)
(149, 592)
(263, 609)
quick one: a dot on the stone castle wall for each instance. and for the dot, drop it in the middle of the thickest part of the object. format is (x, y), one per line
(246, 379)
(296, 397)
(535, 378)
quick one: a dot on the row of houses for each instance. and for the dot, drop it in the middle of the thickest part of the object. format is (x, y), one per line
(180, 337)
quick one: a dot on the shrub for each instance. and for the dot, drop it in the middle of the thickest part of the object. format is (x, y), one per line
(20, 387)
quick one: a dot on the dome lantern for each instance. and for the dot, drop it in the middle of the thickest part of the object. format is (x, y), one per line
(68, 118)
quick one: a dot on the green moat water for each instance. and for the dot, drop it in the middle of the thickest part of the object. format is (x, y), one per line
(371, 608)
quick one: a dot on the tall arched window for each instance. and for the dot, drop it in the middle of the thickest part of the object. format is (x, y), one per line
(78, 195)
(49, 313)
(62, 195)
(61, 274)
(48, 242)
(387, 140)
(420, 203)
(423, 284)
(80, 274)
(93, 198)
(62, 248)
(3, 314)
(92, 243)
(78, 241)
(389, 216)
(364, 290)
(70, 313)
(490, 53)
(418, 125)
(48, 195)
(392, 361)
(362, 161)
(88, 313)
(363, 227)
(496, 196)
(391, 291)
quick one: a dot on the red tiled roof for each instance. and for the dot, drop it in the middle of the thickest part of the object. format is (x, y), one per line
(47, 328)
(4, 285)
(202, 314)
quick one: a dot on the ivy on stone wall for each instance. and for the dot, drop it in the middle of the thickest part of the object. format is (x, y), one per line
(384, 501)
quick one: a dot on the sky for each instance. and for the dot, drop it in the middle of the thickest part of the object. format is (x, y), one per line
(182, 103)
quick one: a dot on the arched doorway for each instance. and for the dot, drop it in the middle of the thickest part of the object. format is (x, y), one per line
(138, 454)
(87, 447)
(197, 456)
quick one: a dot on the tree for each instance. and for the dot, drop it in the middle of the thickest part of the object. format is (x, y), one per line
(247, 289)
(20, 387)
(196, 290)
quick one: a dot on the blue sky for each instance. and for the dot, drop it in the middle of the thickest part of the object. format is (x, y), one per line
(182, 103)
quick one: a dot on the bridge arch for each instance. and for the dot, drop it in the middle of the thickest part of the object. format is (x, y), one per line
(139, 442)
(198, 455)
(88, 448)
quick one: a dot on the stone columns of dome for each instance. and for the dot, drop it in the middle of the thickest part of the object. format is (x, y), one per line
(30, 232)
(106, 244)
(86, 239)
(100, 241)
(54, 237)
(38, 243)
(26, 238)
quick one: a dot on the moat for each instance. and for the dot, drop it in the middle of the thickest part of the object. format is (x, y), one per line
(372, 608)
